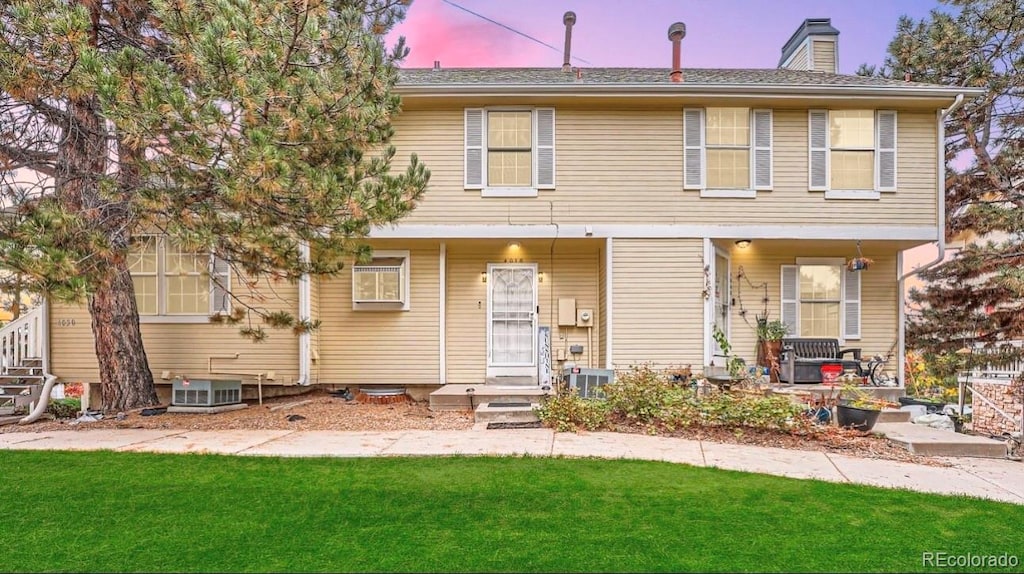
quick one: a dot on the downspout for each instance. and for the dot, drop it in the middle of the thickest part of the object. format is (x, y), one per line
(940, 186)
(304, 316)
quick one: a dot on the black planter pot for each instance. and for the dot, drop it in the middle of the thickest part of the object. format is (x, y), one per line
(931, 406)
(857, 419)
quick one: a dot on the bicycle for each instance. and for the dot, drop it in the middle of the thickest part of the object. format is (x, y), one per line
(876, 374)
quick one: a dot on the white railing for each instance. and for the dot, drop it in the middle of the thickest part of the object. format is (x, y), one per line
(23, 338)
(997, 372)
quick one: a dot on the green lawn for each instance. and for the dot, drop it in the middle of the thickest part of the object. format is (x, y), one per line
(102, 511)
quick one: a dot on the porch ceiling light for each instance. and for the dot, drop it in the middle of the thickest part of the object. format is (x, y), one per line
(513, 244)
(743, 243)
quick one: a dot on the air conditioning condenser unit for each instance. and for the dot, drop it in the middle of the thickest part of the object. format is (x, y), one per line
(586, 381)
(205, 392)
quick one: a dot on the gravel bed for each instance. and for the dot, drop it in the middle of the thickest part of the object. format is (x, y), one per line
(319, 411)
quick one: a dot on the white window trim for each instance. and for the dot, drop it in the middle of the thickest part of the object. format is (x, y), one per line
(838, 262)
(751, 192)
(852, 194)
(729, 193)
(404, 304)
(162, 315)
(513, 192)
(508, 191)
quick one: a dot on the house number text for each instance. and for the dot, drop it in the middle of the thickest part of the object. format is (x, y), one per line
(514, 260)
(65, 322)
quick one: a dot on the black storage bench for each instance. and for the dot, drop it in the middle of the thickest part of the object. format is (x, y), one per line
(802, 359)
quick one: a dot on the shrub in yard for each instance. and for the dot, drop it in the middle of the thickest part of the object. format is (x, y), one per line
(737, 410)
(64, 408)
(568, 412)
(642, 394)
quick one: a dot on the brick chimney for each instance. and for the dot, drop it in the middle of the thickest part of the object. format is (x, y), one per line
(568, 19)
(676, 33)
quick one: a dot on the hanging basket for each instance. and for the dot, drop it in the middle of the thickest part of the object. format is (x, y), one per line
(859, 263)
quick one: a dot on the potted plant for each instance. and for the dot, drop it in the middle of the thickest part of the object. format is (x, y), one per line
(858, 409)
(769, 344)
(859, 263)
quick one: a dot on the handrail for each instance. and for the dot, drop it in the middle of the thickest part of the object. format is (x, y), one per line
(22, 339)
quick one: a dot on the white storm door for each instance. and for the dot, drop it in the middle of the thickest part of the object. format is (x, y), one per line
(722, 298)
(511, 320)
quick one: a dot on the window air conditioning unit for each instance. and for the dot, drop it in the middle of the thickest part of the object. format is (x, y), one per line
(205, 393)
(587, 381)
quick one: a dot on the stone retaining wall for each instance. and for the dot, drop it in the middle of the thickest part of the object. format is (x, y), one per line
(1004, 394)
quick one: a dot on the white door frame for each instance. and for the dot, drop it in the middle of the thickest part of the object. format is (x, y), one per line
(715, 303)
(516, 370)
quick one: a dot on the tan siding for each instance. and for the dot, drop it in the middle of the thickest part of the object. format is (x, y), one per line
(572, 272)
(384, 347)
(624, 166)
(824, 56)
(183, 349)
(657, 305)
(762, 263)
(799, 61)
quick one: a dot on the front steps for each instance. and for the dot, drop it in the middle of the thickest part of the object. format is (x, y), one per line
(926, 441)
(490, 403)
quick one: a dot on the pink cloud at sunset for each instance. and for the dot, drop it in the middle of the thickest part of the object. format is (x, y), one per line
(619, 33)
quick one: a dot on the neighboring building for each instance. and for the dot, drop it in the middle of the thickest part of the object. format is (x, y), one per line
(628, 211)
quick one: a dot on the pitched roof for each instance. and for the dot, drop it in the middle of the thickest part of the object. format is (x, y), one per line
(656, 82)
(640, 76)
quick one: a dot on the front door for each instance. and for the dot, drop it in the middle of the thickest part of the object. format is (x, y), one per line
(512, 320)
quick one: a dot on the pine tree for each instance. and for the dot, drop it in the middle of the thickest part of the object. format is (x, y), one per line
(977, 293)
(245, 128)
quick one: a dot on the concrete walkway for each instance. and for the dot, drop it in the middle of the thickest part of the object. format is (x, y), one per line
(996, 479)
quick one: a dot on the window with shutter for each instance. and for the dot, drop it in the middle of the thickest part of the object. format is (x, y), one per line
(821, 298)
(727, 152)
(509, 152)
(852, 153)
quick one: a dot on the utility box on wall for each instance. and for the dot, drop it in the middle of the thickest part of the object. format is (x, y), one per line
(567, 312)
(585, 318)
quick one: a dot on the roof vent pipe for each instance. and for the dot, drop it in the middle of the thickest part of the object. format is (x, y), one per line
(676, 33)
(569, 18)
(437, 65)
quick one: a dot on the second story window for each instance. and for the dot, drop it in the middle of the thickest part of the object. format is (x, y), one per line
(510, 149)
(852, 153)
(509, 152)
(728, 148)
(727, 152)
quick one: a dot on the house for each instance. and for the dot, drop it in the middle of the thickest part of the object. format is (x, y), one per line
(604, 217)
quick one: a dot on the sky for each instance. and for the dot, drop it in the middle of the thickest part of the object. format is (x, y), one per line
(633, 33)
